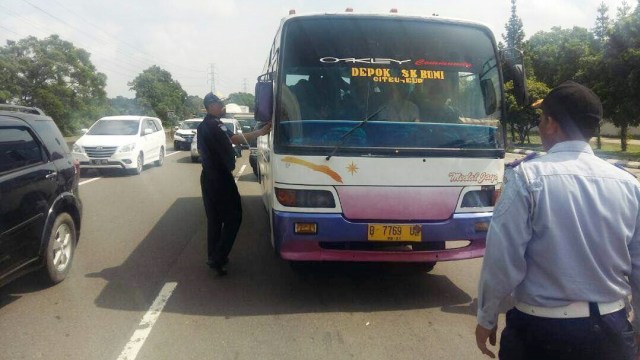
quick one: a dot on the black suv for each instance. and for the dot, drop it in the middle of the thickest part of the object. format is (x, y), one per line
(40, 210)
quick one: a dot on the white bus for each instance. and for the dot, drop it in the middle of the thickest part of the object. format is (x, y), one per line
(387, 142)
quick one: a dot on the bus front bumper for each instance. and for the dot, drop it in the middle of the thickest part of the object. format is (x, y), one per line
(338, 239)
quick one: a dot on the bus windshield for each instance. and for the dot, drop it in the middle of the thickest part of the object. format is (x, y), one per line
(418, 85)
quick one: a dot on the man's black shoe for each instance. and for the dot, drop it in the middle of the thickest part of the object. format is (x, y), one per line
(220, 269)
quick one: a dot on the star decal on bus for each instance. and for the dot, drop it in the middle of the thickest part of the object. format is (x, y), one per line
(352, 168)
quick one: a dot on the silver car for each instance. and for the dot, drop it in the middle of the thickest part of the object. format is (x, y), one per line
(233, 125)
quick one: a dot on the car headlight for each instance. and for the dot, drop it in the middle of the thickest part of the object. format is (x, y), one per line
(77, 149)
(127, 148)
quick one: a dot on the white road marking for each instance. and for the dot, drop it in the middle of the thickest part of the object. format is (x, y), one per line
(134, 345)
(240, 172)
(88, 181)
(173, 153)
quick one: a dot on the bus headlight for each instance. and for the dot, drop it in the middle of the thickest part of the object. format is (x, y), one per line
(305, 198)
(486, 197)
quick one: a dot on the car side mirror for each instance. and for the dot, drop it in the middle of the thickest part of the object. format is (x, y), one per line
(520, 85)
(148, 131)
(264, 99)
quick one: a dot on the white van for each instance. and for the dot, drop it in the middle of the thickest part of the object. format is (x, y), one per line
(124, 142)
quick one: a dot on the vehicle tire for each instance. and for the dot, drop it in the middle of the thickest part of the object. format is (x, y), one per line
(255, 170)
(428, 266)
(176, 146)
(160, 160)
(139, 165)
(60, 249)
(194, 159)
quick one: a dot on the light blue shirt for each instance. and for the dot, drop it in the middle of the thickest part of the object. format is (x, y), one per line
(566, 228)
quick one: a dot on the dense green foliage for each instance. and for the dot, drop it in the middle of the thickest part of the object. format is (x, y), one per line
(242, 98)
(156, 89)
(607, 59)
(55, 76)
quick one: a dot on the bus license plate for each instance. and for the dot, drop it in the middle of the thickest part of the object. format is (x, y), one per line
(390, 232)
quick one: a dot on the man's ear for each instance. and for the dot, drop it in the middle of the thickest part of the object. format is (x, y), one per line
(553, 126)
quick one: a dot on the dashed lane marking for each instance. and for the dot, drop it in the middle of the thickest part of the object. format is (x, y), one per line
(149, 319)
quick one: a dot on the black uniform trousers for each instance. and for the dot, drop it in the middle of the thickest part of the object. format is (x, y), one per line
(223, 206)
(598, 337)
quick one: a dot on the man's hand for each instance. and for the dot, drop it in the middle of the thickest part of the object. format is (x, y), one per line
(482, 335)
(265, 129)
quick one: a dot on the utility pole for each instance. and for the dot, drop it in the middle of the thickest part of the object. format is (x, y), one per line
(244, 85)
(212, 77)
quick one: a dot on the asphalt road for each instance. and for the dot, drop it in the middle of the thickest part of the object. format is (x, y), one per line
(142, 247)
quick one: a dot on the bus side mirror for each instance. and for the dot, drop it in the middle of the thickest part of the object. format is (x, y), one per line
(489, 96)
(519, 84)
(264, 101)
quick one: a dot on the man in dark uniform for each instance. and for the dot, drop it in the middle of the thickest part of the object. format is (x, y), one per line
(219, 191)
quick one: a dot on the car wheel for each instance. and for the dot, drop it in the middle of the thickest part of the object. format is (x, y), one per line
(160, 160)
(139, 165)
(176, 146)
(60, 248)
(194, 159)
(255, 170)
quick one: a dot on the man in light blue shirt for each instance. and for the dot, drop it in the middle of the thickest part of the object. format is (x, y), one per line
(565, 242)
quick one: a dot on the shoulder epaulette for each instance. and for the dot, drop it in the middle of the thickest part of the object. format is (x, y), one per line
(529, 156)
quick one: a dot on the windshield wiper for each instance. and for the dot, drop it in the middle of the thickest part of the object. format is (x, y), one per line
(344, 137)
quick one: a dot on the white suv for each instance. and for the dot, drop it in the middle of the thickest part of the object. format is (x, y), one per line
(124, 142)
(185, 133)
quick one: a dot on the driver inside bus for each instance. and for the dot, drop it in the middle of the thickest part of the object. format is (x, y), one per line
(433, 100)
(398, 107)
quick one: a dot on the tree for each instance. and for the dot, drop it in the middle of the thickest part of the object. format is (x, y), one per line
(524, 118)
(623, 10)
(156, 88)
(513, 46)
(54, 75)
(558, 55)
(242, 98)
(621, 69)
(603, 23)
(124, 106)
(194, 106)
(514, 36)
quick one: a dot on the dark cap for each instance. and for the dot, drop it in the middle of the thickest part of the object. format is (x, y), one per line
(573, 106)
(210, 98)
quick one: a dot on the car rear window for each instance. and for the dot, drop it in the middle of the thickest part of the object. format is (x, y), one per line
(18, 149)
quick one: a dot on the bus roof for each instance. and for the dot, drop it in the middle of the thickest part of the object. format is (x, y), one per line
(435, 19)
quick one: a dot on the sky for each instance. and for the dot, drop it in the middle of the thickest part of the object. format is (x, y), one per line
(190, 38)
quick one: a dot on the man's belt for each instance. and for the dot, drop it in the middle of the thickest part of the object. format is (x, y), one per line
(571, 311)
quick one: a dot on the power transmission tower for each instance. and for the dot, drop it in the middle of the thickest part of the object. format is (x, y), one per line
(212, 78)
(244, 85)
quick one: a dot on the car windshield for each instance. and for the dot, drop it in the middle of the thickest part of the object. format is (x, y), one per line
(190, 125)
(115, 127)
(231, 125)
(421, 85)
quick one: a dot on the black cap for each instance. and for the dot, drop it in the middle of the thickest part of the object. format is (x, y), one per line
(210, 98)
(573, 106)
